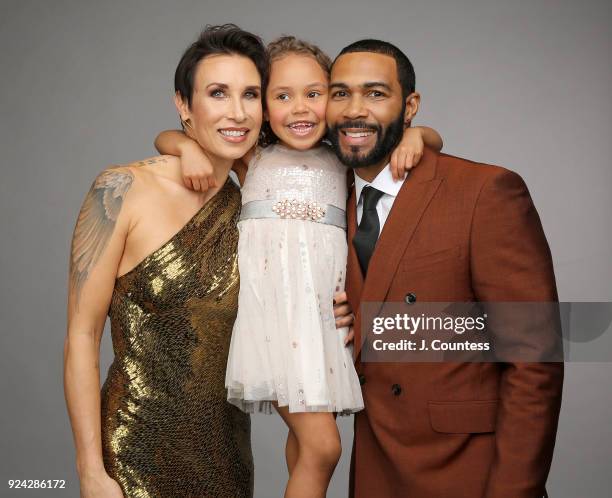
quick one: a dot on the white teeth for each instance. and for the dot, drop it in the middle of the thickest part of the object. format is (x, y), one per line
(358, 134)
(233, 133)
(301, 125)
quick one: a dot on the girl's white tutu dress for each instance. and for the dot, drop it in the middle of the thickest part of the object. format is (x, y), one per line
(292, 253)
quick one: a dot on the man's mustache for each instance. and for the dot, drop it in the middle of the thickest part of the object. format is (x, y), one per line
(358, 125)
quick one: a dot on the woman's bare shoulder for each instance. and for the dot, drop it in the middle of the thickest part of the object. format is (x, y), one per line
(114, 180)
(143, 174)
(150, 166)
(131, 183)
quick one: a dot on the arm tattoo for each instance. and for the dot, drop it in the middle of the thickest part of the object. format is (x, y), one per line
(96, 223)
(155, 160)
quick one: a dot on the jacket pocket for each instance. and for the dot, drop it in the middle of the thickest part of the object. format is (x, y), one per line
(430, 259)
(463, 417)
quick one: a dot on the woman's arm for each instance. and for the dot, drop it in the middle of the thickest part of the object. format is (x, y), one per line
(97, 248)
(196, 167)
(410, 150)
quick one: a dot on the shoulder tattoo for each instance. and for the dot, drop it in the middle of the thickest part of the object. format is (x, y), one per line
(96, 223)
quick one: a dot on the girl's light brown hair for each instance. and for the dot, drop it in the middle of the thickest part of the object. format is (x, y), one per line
(291, 45)
(279, 48)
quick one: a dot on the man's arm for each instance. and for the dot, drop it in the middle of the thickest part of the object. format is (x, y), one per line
(511, 261)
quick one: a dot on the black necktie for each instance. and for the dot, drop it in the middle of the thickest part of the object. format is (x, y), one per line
(367, 233)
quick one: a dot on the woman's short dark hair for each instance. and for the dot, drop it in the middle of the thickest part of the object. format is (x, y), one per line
(405, 70)
(223, 39)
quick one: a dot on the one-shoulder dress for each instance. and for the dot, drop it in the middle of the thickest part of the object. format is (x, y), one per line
(167, 429)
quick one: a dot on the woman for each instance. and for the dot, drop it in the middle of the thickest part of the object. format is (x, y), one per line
(160, 260)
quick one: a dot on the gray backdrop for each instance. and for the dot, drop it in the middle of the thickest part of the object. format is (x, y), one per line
(525, 84)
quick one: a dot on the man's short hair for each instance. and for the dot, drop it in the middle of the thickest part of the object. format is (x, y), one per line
(405, 70)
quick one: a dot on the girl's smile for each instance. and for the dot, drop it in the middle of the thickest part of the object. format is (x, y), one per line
(302, 128)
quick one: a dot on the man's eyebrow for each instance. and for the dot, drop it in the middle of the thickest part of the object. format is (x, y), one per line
(367, 84)
(338, 84)
(372, 84)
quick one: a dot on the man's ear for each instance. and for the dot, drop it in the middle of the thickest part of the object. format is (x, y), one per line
(412, 107)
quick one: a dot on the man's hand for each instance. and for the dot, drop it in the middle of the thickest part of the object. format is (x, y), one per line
(344, 315)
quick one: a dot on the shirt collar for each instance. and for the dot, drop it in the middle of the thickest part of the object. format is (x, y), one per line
(384, 182)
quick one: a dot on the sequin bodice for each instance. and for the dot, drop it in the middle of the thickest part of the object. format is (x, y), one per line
(280, 173)
(167, 429)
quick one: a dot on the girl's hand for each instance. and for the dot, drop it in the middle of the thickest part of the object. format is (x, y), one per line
(197, 170)
(100, 486)
(408, 153)
(344, 314)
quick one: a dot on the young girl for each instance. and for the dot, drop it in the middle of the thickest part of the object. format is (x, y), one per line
(285, 348)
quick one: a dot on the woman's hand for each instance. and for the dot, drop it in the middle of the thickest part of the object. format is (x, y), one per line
(100, 485)
(344, 315)
(410, 150)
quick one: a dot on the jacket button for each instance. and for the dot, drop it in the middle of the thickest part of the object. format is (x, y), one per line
(362, 379)
(396, 389)
(410, 298)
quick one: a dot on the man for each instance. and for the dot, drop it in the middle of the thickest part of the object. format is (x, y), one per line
(453, 231)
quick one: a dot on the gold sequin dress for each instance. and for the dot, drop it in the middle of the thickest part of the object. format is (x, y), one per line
(167, 429)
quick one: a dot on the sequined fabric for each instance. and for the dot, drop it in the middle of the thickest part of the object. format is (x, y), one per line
(285, 346)
(280, 173)
(167, 429)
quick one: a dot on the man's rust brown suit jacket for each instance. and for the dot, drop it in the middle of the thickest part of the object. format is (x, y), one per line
(458, 232)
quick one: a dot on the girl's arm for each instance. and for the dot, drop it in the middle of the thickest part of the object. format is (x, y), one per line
(410, 150)
(97, 248)
(196, 167)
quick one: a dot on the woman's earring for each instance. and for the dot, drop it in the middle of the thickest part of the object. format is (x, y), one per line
(186, 124)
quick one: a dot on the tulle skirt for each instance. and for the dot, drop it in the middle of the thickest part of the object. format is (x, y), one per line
(285, 346)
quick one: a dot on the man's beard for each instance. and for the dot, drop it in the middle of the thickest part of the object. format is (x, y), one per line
(386, 140)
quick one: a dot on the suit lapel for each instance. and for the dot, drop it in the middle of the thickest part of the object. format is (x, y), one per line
(408, 208)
